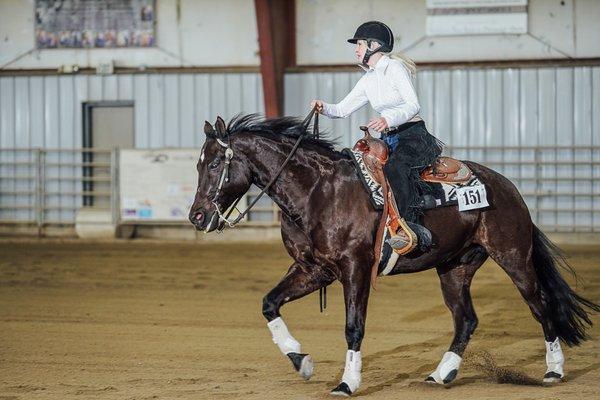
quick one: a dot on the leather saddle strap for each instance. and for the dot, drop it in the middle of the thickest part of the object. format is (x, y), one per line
(380, 233)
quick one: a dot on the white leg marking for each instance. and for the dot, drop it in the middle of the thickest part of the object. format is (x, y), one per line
(282, 337)
(451, 361)
(554, 360)
(352, 370)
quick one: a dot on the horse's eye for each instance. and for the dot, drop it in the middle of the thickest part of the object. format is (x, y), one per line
(215, 163)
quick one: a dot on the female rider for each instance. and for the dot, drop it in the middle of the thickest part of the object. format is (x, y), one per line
(388, 87)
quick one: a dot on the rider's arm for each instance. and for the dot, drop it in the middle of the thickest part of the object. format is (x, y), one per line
(352, 102)
(409, 106)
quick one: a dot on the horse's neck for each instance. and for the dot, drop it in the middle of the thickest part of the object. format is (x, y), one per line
(297, 180)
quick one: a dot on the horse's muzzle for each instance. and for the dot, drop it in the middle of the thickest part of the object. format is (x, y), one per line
(203, 221)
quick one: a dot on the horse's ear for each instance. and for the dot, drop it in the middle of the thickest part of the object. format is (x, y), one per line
(208, 129)
(220, 126)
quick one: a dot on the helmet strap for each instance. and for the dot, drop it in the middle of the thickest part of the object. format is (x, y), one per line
(369, 52)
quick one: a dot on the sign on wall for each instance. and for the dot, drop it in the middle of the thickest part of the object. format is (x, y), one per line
(157, 185)
(94, 23)
(468, 17)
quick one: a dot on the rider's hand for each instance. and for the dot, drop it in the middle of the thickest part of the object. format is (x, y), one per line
(318, 104)
(378, 124)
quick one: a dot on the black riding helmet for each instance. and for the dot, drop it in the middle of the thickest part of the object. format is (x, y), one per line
(374, 31)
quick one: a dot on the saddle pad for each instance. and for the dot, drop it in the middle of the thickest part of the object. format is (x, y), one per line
(370, 184)
(449, 190)
(444, 193)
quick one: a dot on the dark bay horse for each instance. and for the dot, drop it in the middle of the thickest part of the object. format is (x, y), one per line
(328, 227)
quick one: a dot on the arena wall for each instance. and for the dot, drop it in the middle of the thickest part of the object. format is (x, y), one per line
(556, 29)
(188, 33)
(538, 123)
(540, 127)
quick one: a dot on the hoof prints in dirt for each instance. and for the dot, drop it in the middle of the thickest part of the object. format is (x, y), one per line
(483, 361)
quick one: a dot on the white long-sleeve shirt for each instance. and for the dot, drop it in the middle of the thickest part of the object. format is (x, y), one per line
(389, 89)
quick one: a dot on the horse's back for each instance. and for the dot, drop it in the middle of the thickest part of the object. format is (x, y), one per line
(454, 232)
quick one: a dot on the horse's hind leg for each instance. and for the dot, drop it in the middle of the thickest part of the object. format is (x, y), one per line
(516, 260)
(298, 282)
(455, 278)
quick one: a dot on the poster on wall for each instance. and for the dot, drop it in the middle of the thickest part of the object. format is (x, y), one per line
(476, 17)
(94, 23)
(157, 185)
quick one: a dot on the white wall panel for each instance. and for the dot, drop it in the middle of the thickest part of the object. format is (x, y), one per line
(556, 29)
(187, 33)
(46, 112)
(171, 111)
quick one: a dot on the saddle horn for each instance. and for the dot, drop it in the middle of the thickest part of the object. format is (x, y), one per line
(365, 129)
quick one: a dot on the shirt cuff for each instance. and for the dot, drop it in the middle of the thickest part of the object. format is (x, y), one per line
(389, 122)
(328, 110)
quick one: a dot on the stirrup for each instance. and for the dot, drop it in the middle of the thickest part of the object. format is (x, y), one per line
(404, 240)
(401, 242)
(423, 234)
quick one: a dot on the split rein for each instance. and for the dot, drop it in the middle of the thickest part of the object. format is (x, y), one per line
(224, 219)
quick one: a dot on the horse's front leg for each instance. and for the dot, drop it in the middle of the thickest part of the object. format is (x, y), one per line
(356, 295)
(297, 283)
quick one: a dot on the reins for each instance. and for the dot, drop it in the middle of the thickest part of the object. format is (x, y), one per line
(225, 174)
(224, 219)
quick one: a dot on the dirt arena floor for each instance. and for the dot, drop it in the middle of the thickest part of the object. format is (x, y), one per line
(150, 320)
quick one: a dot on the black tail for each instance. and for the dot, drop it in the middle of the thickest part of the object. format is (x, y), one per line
(564, 307)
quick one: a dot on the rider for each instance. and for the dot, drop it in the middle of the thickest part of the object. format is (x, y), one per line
(388, 87)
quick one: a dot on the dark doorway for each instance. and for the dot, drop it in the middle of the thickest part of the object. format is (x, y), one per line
(106, 125)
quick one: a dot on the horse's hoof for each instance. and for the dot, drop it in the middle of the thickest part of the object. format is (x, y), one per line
(450, 377)
(303, 363)
(342, 390)
(442, 381)
(552, 377)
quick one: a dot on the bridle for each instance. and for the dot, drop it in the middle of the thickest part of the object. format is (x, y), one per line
(224, 217)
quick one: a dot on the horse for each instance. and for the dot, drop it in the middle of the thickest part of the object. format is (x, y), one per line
(328, 227)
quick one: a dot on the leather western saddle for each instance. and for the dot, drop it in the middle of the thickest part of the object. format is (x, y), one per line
(447, 170)
(375, 155)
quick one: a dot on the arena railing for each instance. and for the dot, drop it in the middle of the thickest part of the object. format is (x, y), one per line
(42, 188)
(45, 187)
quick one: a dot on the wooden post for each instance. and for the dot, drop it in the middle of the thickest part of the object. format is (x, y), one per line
(276, 22)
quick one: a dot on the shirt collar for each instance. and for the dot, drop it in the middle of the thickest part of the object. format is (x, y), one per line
(381, 65)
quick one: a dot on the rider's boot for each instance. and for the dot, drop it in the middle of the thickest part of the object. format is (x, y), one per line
(401, 240)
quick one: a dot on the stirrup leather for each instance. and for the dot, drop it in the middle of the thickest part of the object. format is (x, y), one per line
(398, 226)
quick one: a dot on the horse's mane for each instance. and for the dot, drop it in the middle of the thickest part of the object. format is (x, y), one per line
(285, 126)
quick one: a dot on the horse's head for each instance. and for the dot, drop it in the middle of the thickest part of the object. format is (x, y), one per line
(223, 176)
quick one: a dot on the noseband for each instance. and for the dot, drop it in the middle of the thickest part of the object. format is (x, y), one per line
(225, 175)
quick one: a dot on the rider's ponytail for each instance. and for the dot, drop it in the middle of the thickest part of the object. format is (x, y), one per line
(409, 64)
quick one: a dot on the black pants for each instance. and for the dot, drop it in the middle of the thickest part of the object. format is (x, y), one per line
(416, 149)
